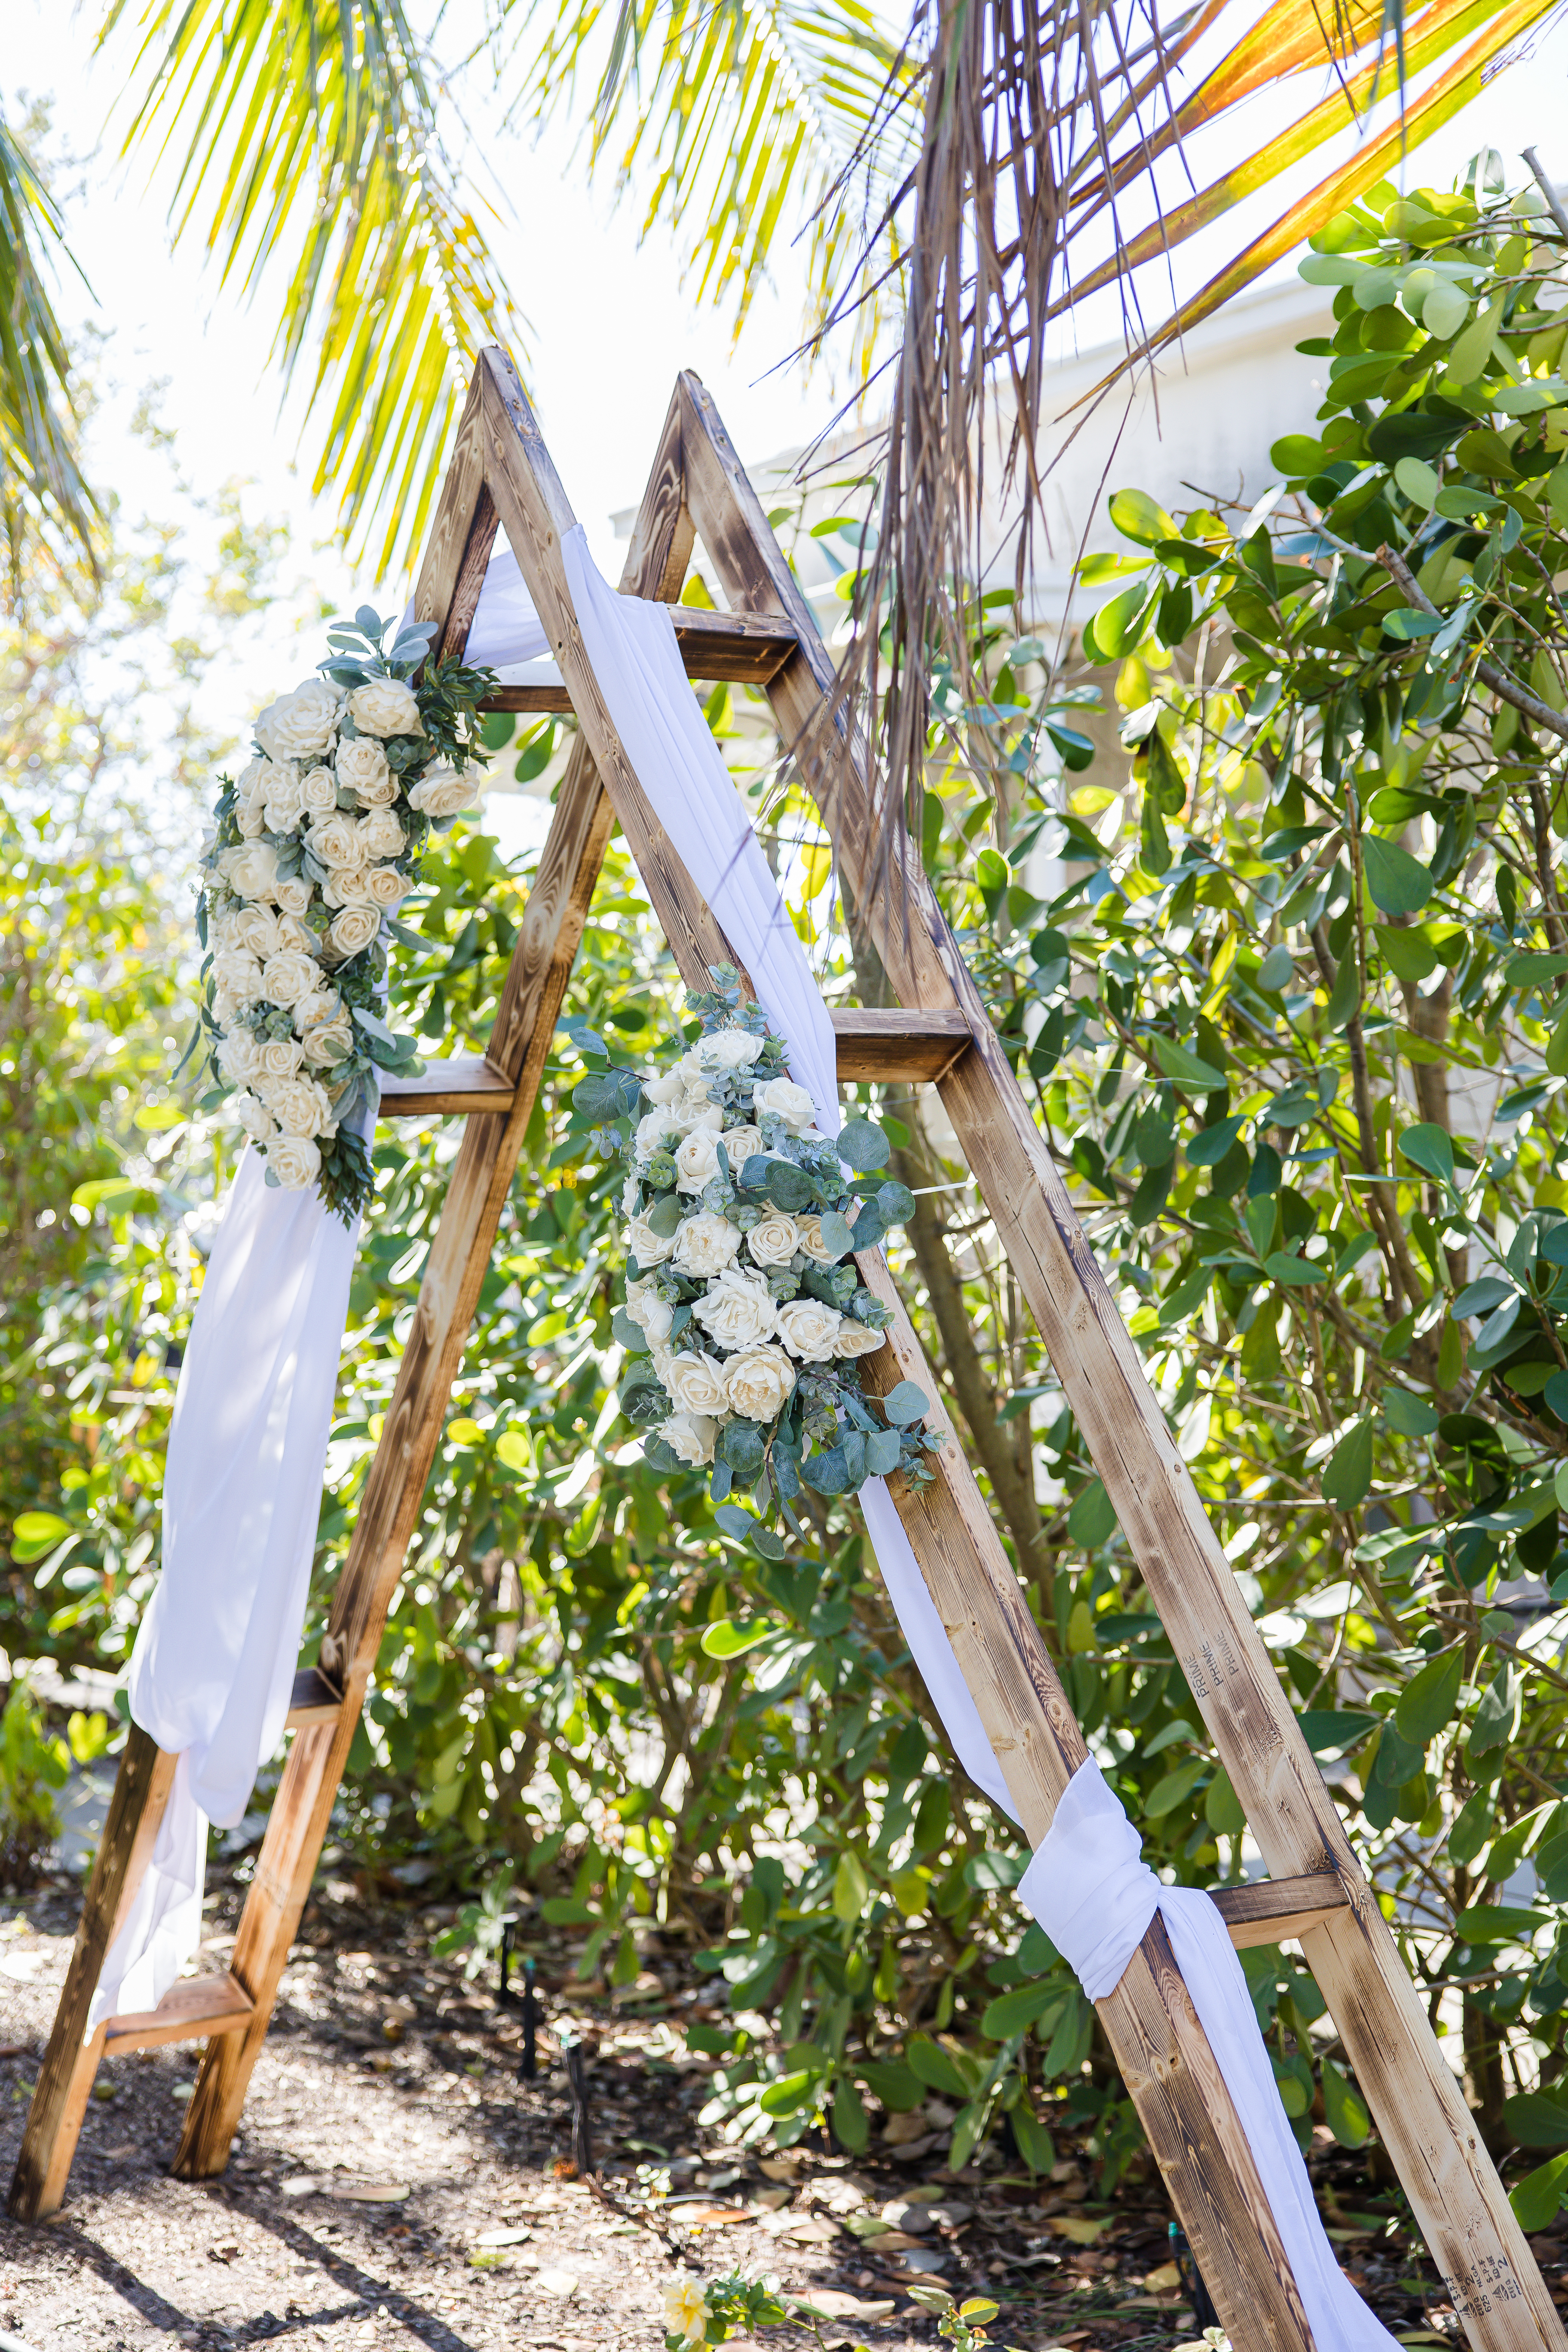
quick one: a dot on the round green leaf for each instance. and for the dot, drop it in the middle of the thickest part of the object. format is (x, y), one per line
(1348, 1474)
(1138, 517)
(1430, 1697)
(34, 1533)
(1344, 2108)
(729, 1636)
(1399, 883)
(862, 1145)
(907, 1402)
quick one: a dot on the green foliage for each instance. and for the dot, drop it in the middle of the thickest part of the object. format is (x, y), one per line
(33, 1768)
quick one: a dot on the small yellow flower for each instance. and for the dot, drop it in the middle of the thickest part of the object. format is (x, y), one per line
(686, 2310)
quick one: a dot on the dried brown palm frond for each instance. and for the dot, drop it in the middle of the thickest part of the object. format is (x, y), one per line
(1045, 120)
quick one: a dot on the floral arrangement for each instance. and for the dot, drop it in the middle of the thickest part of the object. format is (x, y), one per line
(315, 846)
(745, 1314)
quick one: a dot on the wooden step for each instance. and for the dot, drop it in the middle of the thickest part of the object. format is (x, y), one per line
(746, 648)
(1274, 1910)
(461, 1083)
(872, 1045)
(189, 2011)
(313, 1699)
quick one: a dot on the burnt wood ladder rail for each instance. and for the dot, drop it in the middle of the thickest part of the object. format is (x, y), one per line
(500, 476)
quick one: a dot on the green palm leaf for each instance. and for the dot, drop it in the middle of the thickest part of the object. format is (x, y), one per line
(306, 138)
(43, 487)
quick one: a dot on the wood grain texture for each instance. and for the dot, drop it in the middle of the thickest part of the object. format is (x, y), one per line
(1273, 1910)
(888, 1045)
(60, 2094)
(460, 1082)
(452, 531)
(312, 1699)
(1418, 2106)
(470, 579)
(519, 1043)
(189, 2011)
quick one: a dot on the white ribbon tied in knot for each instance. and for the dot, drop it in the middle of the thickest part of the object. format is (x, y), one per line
(1095, 1895)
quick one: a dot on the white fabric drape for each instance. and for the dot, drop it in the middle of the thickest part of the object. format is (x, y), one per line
(215, 1659)
(1094, 1895)
(1087, 1885)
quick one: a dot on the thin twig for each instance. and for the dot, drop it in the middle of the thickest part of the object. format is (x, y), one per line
(1553, 203)
(1541, 714)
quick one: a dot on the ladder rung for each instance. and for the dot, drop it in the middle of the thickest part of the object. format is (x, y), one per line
(189, 2011)
(898, 1044)
(313, 1699)
(881, 1045)
(747, 648)
(1273, 1910)
(463, 1083)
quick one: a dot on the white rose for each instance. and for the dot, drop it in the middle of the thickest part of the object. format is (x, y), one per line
(251, 819)
(317, 791)
(691, 1434)
(652, 1131)
(664, 1089)
(697, 1161)
(298, 724)
(737, 1310)
(348, 886)
(288, 975)
(335, 841)
(281, 807)
(652, 1315)
(742, 1143)
(293, 896)
(758, 1381)
(255, 1117)
(630, 1197)
(648, 1247)
(254, 928)
(696, 1382)
(773, 1240)
(786, 1100)
(660, 1358)
(239, 1057)
(693, 1111)
(225, 1004)
(321, 1006)
(704, 1245)
(326, 1042)
(280, 1056)
(353, 930)
(300, 1106)
(442, 793)
(295, 1161)
(239, 973)
(250, 784)
(810, 1328)
(854, 1338)
(254, 873)
(811, 1241)
(386, 706)
(361, 766)
(380, 834)
(729, 1049)
(294, 937)
(385, 887)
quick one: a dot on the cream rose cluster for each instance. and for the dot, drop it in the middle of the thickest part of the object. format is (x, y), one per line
(746, 1312)
(318, 841)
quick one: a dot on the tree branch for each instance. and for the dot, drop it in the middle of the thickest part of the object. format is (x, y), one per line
(1540, 714)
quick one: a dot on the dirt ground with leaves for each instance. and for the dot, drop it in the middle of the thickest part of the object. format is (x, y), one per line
(395, 2184)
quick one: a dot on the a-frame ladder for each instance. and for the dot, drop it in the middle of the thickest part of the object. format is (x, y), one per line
(502, 475)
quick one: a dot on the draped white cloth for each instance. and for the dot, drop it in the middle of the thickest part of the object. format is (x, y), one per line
(1094, 1895)
(1087, 1885)
(215, 1659)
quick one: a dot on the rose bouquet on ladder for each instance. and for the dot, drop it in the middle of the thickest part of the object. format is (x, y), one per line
(315, 846)
(745, 1318)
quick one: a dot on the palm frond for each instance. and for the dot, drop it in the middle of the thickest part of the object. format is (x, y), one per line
(307, 142)
(742, 122)
(1044, 126)
(44, 489)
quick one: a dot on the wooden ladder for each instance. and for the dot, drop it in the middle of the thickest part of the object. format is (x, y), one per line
(500, 476)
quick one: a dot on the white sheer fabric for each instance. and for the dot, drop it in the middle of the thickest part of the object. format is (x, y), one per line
(215, 1655)
(1087, 1885)
(1094, 1895)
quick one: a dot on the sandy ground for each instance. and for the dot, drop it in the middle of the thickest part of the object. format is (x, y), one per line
(387, 2138)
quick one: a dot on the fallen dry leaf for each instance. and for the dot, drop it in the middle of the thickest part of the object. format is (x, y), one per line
(502, 2237)
(1078, 2227)
(1165, 2278)
(710, 2216)
(832, 2303)
(562, 2283)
